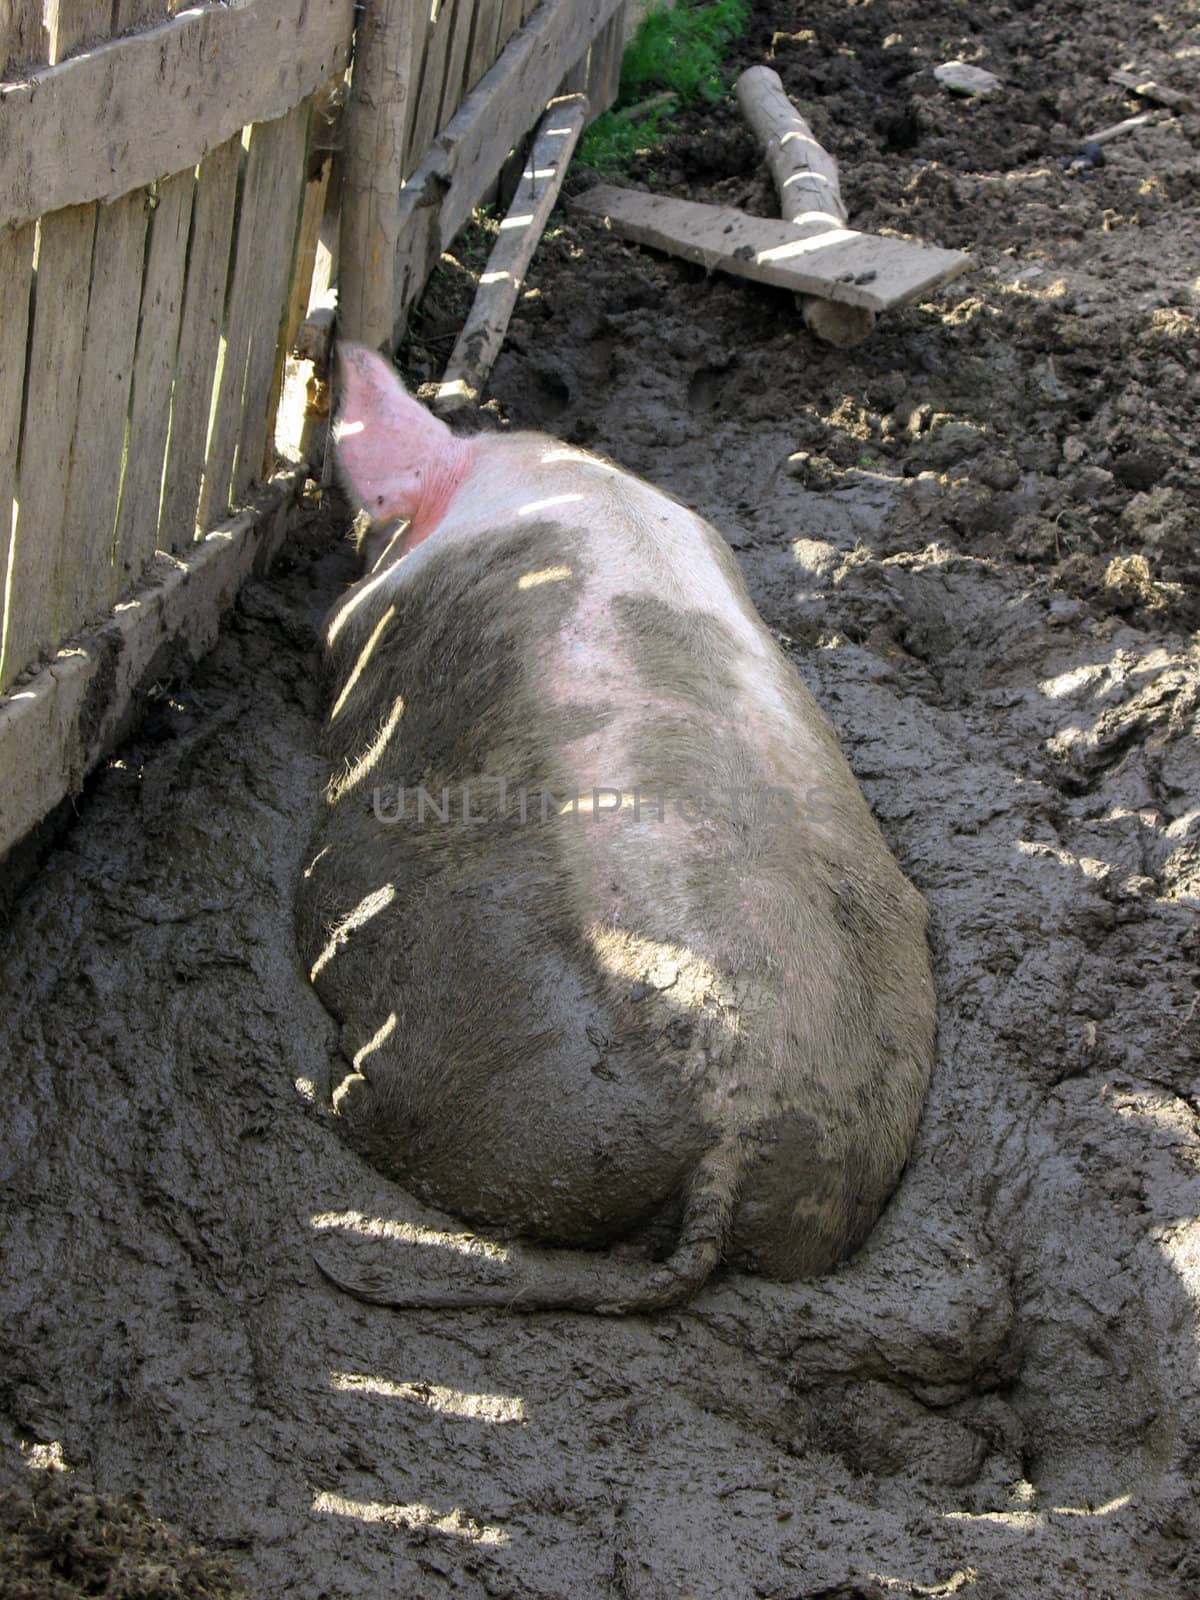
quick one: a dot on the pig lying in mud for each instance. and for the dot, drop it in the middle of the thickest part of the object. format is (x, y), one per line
(619, 953)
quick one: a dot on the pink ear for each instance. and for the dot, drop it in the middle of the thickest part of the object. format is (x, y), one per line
(388, 445)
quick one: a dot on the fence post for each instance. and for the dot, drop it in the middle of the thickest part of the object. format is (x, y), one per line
(380, 85)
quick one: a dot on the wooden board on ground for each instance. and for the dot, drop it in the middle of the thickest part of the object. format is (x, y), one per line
(86, 555)
(153, 370)
(158, 101)
(501, 281)
(858, 269)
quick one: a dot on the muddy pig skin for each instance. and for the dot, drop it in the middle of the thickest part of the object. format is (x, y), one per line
(665, 985)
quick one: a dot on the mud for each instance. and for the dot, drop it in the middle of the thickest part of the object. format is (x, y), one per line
(976, 536)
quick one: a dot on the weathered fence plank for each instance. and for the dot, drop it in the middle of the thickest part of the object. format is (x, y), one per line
(93, 490)
(55, 361)
(153, 370)
(138, 14)
(483, 41)
(377, 117)
(158, 101)
(274, 260)
(22, 41)
(474, 145)
(74, 24)
(67, 717)
(264, 168)
(433, 75)
(199, 342)
(16, 275)
(456, 64)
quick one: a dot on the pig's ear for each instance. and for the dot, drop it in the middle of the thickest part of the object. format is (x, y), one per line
(386, 441)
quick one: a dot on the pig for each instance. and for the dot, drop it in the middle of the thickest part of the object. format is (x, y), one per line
(680, 1012)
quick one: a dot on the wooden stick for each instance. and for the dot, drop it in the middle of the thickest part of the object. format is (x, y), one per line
(1149, 90)
(810, 195)
(483, 332)
(1130, 125)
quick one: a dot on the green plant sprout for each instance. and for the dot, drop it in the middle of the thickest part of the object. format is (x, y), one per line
(680, 50)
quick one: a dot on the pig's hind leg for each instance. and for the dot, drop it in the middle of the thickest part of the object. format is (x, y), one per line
(578, 1280)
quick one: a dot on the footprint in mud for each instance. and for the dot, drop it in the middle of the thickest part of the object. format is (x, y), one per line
(706, 389)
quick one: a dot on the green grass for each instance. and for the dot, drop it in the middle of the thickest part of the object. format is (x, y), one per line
(680, 50)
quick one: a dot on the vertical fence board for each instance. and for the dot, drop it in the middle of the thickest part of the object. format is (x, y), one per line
(73, 24)
(456, 65)
(604, 64)
(274, 261)
(130, 14)
(483, 40)
(433, 77)
(199, 342)
(153, 370)
(85, 556)
(22, 41)
(266, 162)
(16, 276)
(420, 38)
(55, 361)
(510, 20)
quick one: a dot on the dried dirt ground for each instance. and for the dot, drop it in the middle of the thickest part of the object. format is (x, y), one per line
(977, 534)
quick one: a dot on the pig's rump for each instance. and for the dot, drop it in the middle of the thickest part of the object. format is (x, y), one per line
(669, 978)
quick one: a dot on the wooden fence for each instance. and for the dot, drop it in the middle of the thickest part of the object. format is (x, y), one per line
(164, 181)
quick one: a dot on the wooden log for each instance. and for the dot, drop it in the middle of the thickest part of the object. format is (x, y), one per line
(199, 343)
(16, 274)
(468, 154)
(133, 110)
(153, 370)
(51, 404)
(85, 577)
(856, 269)
(1149, 90)
(373, 170)
(810, 193)
(805, 174)
(65, 719)
(502, 279)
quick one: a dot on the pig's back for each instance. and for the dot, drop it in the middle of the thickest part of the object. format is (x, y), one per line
(733, 958)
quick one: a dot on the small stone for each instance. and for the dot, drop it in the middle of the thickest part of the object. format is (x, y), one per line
(960, 78)
(999, 472)
(1073, 450)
